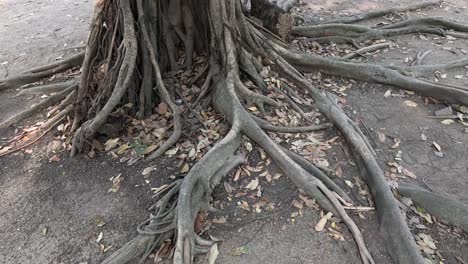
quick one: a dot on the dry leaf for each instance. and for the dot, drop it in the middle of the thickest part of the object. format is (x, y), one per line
(147, 171)
(99, 238)
(297, 204)
(409, 173)
(228, 187)
(381, 136)
(253, 184)
(411, 103)
(185, 168)
(322, 222)
(447, 121)
(162, 108)
(396, 144)
(55, 158)
(221, 220)
(111, 143)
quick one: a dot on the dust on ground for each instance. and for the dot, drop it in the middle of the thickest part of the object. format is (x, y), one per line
(50, 211)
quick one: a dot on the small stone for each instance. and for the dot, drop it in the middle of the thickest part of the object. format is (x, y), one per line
(444, 112)
(439, 154)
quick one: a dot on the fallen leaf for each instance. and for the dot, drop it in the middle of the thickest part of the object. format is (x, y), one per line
(322, 222)
(388, 93)
(447, 122)
(409, 173)
(150, 149)
(99, 238)
(221, 220)
(396, 144)
(381, 136)
(240, 250)
(111, 143)
(411, 103)
(55, 158)
(162, 108)
(185, 168)
(253, 184)
(297, 204)
(147, 171)
(228, 187)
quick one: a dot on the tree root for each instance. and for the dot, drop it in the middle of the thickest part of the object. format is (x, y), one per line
(382, 12)
(37, 107)
(438, 205)
(345, 33)
(38, 73)
(380, 74)
(362, 51)
(48, 88)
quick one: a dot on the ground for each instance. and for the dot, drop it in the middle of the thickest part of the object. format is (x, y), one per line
(50, 210)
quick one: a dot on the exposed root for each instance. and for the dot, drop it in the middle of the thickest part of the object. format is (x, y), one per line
(362, 51)
(345, 33)
(37, 107)
(38, 73)
(438, 205)
(379, 74)
(49, 88)
(382, 12)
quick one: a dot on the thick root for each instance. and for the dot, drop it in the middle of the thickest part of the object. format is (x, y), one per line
(438, 205)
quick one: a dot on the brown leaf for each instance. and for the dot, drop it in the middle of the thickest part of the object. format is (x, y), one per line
(200, 221)
(297, 204)
(55, 158)
(162, 108)
(381, 136)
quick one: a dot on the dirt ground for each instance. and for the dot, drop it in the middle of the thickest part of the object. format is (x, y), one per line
(50, 212)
